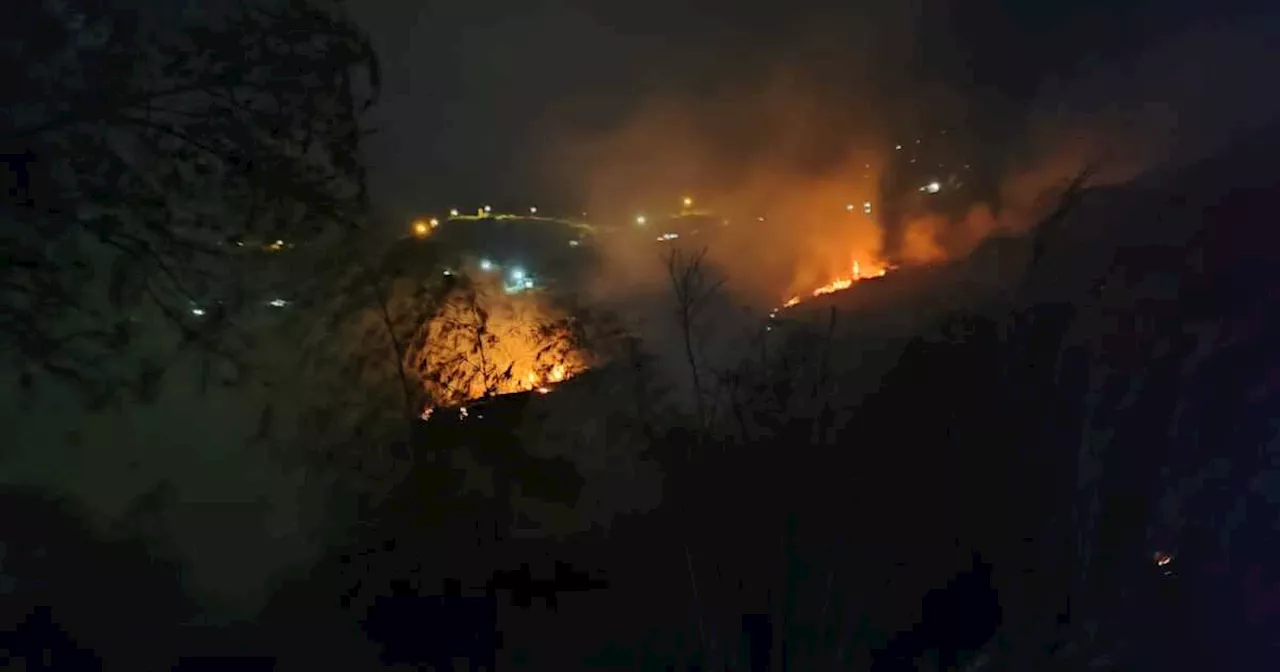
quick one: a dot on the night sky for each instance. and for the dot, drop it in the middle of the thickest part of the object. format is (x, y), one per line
(477, 93)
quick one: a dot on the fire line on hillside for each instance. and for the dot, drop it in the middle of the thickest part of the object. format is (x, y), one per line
(856, 274)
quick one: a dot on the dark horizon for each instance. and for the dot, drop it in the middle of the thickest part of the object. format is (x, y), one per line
(476, 95)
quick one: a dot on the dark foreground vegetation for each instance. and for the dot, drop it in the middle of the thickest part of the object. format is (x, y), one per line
(1001, 499)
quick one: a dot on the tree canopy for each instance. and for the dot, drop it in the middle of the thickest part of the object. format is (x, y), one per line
(153, 167)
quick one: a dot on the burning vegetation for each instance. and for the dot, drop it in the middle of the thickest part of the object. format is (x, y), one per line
(857, 273)
(483, 342)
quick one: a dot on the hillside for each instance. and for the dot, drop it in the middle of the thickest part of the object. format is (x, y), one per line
(1036, 430)
(975, 463)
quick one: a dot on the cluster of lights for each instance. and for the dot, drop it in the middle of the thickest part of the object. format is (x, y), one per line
(668, 236)
(199, 311)
(422, 227)
(518, 279)
(455, 213)
(686, 204)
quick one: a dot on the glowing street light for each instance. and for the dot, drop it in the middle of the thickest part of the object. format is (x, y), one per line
(486, 265)
(420, 228)
(688, 202)
(640, 220)
(453, 212)
(533, 210)
(849, 207)
(435, 222)
(488, 209)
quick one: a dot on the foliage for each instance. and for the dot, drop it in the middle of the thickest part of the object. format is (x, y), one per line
(483, 342)
(148, 163)
(694, 287)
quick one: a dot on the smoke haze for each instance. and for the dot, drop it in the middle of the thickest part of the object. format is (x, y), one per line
(781, 157)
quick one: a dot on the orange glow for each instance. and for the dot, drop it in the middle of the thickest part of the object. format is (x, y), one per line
(920, 240)
(856, 274)
(502, 344)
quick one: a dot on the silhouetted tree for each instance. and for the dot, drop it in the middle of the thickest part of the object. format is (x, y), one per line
(146, 162)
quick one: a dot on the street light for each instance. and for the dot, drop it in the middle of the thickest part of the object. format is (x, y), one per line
(640, 219)
(453, 212)
(849, 207)
(688, 202)
(533, 211)
(420, 228)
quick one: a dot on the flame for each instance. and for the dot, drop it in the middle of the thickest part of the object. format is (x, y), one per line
(856, 274)
(522, 349)
(558, 374)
